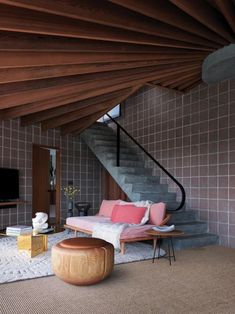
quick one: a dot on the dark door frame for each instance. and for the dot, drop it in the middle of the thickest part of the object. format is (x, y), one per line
(58, 177)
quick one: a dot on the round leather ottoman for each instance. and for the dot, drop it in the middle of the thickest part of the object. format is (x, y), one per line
(82, 261)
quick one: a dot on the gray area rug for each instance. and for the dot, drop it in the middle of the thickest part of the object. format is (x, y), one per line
(18, 265)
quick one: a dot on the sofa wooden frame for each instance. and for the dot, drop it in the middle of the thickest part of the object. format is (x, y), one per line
(122, 241)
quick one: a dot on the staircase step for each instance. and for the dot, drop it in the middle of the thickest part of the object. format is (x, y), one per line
(195, 240)
(106, 143)
(127, 163)
(99, 126)
(108, 137)
(123, 156)
(183, 216)
(154, 197)
(130, 178)
(146, 187)
(134, 170)
(113, 149)
(172, 206)
(193, 227)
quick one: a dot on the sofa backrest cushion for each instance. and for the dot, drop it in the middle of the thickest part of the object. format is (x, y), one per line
(128, 214)
(157, 213)
(106, 207)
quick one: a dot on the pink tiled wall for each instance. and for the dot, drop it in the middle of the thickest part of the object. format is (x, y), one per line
(193, 136)
(78, 164)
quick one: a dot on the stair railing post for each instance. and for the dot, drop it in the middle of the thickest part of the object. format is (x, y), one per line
(118, 146)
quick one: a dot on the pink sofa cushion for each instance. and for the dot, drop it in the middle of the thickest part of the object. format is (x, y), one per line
(128, 214)
(157, 213)
(106, 207)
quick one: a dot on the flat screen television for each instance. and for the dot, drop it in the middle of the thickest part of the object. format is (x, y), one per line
(9, 184)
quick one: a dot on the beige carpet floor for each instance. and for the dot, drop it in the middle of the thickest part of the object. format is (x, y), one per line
(200, 281)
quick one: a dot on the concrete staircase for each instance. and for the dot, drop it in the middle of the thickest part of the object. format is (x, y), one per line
(138, 182)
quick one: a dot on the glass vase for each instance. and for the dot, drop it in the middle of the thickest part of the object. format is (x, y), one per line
(70, 209)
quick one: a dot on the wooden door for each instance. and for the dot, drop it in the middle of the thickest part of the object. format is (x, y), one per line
(41, 183)
(111, 190)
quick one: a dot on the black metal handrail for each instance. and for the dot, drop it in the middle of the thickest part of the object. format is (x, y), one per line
(119, 127)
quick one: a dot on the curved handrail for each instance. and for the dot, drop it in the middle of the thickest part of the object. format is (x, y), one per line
(155, 161)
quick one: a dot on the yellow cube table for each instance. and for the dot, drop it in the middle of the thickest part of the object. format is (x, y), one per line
(34, 244)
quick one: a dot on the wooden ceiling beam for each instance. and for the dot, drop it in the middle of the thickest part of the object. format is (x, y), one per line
(76, 125)
(11, 41)
(12, 94)
(29, 59)
(168, 13)
(52, 113)
(28, 21)
(20, 74)
(181, 78)
(184, 79)
(69, 118)
(189, 83)
(207, 15)
(84, 123)
(110, 14)
(66, 98)
(228, 10)
(192, 85)
(168, 75)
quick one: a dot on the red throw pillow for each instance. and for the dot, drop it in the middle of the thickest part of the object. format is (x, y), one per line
(128, 213)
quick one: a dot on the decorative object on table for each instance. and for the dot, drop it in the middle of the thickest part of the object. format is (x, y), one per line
(82, 261)
(82, 208)
(69, 192)
(18, 230)
(164, 228)
(40, 222)
(33, 244)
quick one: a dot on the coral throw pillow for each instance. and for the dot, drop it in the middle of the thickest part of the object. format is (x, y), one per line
(107, 206)
(128, 213)
(157, 213)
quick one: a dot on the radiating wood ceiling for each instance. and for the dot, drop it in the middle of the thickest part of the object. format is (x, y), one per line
(66, 63)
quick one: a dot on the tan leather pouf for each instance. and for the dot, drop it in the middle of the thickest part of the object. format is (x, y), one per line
(82, 261)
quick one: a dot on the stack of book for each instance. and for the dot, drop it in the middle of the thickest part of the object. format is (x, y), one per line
(18, 230)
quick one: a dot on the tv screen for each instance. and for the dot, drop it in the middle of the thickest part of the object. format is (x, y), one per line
(9, 184)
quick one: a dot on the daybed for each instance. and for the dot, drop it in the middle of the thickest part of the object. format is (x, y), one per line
(157, 216)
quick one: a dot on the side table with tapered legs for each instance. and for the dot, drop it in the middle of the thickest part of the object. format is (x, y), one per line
(157, 236)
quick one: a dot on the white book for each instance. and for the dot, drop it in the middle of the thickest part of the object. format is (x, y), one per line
(19, 228)
(17, 233)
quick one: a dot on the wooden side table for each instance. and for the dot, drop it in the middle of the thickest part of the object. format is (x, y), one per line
(158, 235)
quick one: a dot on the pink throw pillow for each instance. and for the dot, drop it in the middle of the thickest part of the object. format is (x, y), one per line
(157, 213)
(106, 207)
(128, 214)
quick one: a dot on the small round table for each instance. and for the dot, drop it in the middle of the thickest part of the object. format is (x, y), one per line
(158, 235)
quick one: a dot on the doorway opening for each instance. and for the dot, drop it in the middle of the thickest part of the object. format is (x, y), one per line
(46, 182)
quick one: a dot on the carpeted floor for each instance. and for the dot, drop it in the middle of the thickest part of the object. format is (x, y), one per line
(200, 281)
